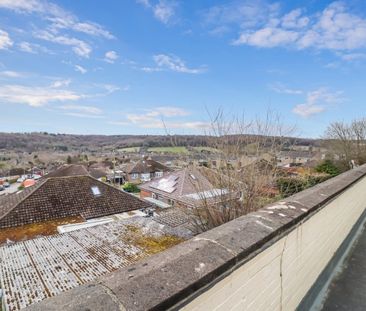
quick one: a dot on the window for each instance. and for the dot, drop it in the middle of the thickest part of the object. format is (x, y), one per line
(145, 177)
(134, 176)
(171, 202)
(96, 191)
(158, 174)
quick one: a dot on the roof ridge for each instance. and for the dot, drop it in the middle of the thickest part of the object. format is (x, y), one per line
(183, 181)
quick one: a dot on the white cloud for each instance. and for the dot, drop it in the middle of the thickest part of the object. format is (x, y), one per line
(353, 56)
(61, 83)
(172, 63)
(110, 57)
(157, 114)
(12, 74)
(5, 41)
(79, 47)
(83, 115)
(267, 37)
(35, 96)
(57, 16)
(33, 48)
(240, 13)
(335, 28)
(160, 118)
(80, 69)
(90, 110)
(110, 88)
(283, 89)
(317, 101)
(294, 19)
(159, 124)
(163, 10)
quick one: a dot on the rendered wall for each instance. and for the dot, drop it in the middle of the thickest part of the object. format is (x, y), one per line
(279, 277)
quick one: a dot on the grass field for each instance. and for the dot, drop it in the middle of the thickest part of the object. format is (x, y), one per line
(209, 149)
(130, 149)
(178, 149)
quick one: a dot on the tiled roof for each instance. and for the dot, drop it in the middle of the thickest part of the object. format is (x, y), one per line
(69, 170)
(187, 181)
(146, 166)
(55, 198)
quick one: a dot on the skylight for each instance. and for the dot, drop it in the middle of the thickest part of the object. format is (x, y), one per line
(96, 191)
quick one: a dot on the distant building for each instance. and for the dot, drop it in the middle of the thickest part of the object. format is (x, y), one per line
(187, 187)
(68, 170)
(145, 170)
(294, 158)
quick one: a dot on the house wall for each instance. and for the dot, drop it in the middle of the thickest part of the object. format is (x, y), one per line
(145, 194)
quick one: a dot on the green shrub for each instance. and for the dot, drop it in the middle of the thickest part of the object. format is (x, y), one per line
(291, 185)
(328, 167)
(130, 187)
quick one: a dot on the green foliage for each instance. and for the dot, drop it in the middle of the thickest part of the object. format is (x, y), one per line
(130, 187)
(290, 185)
(328, 167)
(69, 160)
(20, 188)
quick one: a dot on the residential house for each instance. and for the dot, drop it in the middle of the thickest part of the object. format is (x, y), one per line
(55, 198)
(294, 158)
(187, 187)
(145, 170)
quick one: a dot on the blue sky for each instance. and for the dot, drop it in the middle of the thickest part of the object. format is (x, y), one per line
(137, 66)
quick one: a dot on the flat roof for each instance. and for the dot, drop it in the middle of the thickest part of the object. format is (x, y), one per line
(34, 270)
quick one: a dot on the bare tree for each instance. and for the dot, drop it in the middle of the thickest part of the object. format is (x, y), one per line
(245, 170)
(347, 141)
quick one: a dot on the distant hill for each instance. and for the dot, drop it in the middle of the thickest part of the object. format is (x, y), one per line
(32, 142)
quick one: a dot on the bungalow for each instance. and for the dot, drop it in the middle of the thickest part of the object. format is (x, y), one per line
(145, 170)
(56, 198)
(187, 187)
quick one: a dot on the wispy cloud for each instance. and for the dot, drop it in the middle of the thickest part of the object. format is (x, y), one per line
(240, 14)
(80, 69)
(82, 111)
(283, 89)
(110, 57)
(36, 96)
(33, 48)
(162, 117)
(61, 83)
(318, 101)
(57, 16)
(172, 63)
(12, 74)
(163, 10)
(353, 56)
(157, 114)
(80, 47)
(5, 41)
